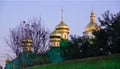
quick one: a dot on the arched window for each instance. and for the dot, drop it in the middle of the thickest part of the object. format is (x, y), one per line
(65, 36)
(57, 43)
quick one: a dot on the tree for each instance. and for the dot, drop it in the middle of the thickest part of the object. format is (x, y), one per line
(32, 29)
(100, 42)
(72, 48)
(110, 32)
(78, 47)
(0, 67)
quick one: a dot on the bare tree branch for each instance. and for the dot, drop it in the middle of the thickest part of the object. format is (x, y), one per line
(34, 30)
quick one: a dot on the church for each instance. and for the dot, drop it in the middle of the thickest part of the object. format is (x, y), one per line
(61, 30)
(59, 37)
(92, 26)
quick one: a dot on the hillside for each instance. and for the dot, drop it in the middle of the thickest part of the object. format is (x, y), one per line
(104, 62)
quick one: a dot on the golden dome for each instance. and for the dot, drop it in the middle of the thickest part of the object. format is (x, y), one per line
(91, 27)
(62, 25)
(61, 30)
(55, 34)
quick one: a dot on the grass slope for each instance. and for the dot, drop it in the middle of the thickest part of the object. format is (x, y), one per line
(104, 62)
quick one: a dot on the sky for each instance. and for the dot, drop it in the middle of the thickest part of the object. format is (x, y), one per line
(76, 15)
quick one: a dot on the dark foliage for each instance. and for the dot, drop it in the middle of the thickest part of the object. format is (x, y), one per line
(77, 47)
(106, 41)
(109, 36)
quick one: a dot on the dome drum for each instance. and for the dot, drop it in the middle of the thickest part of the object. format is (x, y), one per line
(54, 40)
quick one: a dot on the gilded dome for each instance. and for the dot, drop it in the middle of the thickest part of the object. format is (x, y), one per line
(55, 34)
(62, 25)
(91, 27)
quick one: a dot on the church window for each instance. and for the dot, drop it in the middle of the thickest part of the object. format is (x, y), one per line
(65, 36)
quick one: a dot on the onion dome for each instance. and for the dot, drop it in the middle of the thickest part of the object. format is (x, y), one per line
(62, 26)
(92, 25)
(55, 34)
(55, 38)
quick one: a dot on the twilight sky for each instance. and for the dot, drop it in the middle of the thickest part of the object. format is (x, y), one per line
(76, 14)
